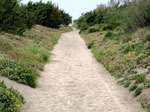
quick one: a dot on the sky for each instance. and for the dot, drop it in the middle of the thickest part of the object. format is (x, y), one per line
(74, 7)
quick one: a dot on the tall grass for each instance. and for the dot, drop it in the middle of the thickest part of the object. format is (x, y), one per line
(35, 52)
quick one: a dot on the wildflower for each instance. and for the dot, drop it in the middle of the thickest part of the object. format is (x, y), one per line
(18, 105)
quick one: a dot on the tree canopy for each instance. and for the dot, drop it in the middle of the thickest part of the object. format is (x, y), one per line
(16, 17)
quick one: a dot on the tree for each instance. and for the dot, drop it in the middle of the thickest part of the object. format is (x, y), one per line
(12, 17)
(16, 18)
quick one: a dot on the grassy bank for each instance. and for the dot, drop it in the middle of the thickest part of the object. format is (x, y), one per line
(126, 56)
(21, 57)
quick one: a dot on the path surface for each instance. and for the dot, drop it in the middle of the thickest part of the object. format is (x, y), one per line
(75, 82)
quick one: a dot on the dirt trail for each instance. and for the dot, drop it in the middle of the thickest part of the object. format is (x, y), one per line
(75, 82)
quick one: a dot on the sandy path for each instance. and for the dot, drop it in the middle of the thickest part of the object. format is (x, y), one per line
(75, 82)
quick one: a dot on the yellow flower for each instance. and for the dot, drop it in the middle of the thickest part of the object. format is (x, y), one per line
(7, 92)
(18, 105)
(12, 98)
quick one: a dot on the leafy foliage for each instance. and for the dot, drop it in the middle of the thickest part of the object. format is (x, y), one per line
(138, 91)
(106, 16)
(132, 87)
(130, 16)
(10, 100)
(47, 14)
(138, 14)
(17, 72)
(15, 18)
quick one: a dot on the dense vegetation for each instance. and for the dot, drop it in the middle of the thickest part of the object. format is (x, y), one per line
(16, 18)
(10, 100)
(22, 56)
(119, 36)
(129, 16)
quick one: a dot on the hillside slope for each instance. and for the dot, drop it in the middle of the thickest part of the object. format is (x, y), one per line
(126, 57)
(21, 59)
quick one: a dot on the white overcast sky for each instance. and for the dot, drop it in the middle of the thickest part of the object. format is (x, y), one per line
(74, 7)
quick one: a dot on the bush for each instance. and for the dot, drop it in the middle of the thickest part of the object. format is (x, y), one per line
(119, 29)
(140, 78)
(120, 82)
(132, 87)
(127, 83)
(138, 91)
(111, 17)
(94, 29)
(91, 30)
(47, 14)
(16, 18)
(10, 100)
(18, 72)
(148, 37)
(84, 26)
(138, 14)
(108, 27)
(13, 17)
(108, 35)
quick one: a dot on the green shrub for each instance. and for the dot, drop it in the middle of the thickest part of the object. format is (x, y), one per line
(18, 72)
(10, 100)
(13, 17)
(119, 29)
(16, 18)
(147, 84)
(108, 27)
(147, 37)
(120, 82)
(128, 49)
(84, 26)
(132, 87)
(127, 83)
(117, 76)
(138, 91)
(140, 78)
(108, 35)
(137, 14)
(94, 28)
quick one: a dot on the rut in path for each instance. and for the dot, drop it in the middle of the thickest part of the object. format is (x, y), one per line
(75, 82)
